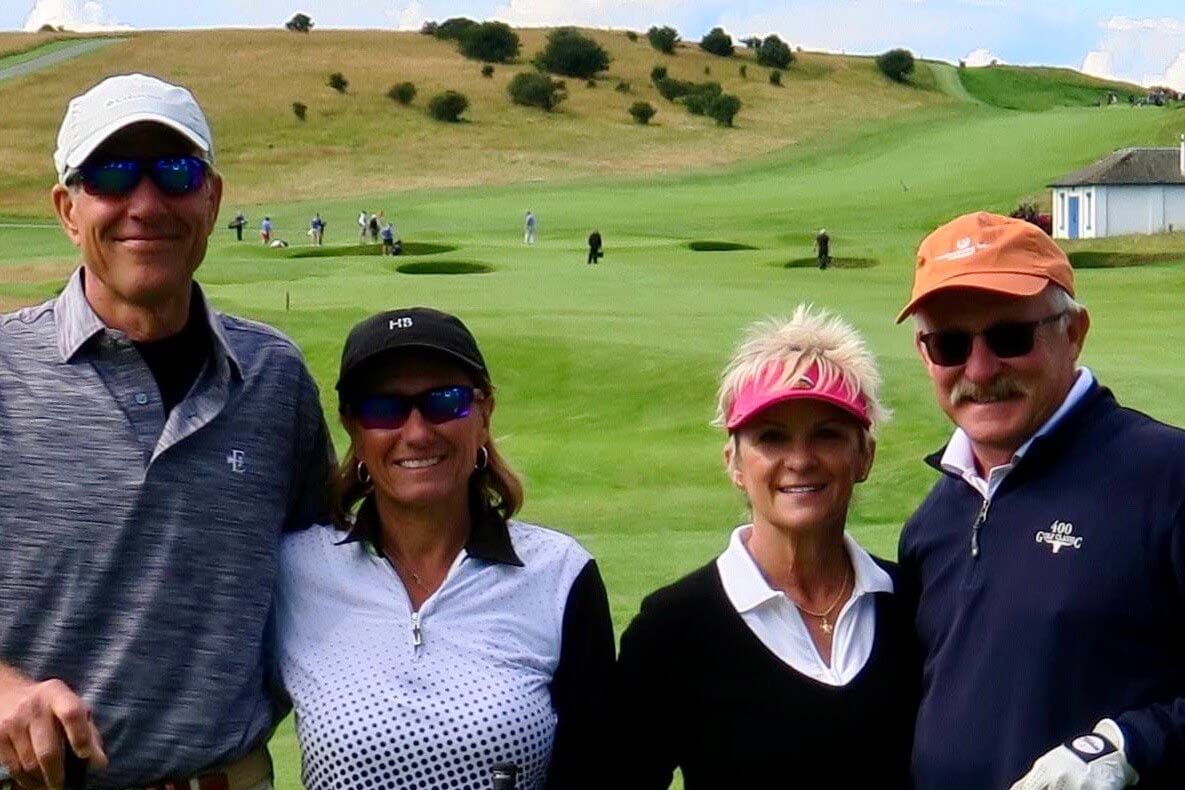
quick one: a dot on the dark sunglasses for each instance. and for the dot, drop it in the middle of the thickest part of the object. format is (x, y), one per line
(437, 405)
(173, 175)
(952, 347)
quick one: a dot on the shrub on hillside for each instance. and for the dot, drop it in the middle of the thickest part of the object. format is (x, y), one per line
(744, 72)
(752, 42)
(487, 70)
(774, 52)
(452, 29)
(622, 87)
(697, 103)
(429, 28)
(403, 92)
(536, 89)
(590, 83)
(663, 38)
(572, 54)
(658, 73)
(717, 42)
(642, 111)
(493, 42)
(896, 64)
(724, 108)
(631, 35)
(670, 88)
(775, 77)
(448, 106)
(299, 23)
(299, 109)
(338, 82)
(707, 70)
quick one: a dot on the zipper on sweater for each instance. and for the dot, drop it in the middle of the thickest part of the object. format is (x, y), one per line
(417, 637)
(982, 517)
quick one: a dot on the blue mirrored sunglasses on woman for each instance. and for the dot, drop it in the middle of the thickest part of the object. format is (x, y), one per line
(174, 176)
(387, 411)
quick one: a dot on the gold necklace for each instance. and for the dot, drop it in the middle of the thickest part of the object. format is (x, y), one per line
(826, 626)
(398, 562)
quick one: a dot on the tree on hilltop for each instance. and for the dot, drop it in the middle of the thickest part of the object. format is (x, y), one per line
(717, 42)
(299, 23)
(663, 38)
(452, 29)
(493, 42)
(896, 64)
(572, 54)
(775, 53)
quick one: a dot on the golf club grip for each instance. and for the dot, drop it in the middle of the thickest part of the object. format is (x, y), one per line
(75, 770)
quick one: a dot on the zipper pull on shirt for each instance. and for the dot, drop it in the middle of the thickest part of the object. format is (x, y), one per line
(982, 517)
(417, 637)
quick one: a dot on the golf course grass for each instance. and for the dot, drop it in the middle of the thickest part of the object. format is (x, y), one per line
(606, 374)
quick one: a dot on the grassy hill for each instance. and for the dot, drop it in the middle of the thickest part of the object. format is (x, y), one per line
(362, 142)
(1037, 88)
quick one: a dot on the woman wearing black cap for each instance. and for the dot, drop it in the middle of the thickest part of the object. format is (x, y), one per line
(426, 637)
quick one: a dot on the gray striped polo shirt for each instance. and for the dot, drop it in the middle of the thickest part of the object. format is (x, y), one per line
(137, 549)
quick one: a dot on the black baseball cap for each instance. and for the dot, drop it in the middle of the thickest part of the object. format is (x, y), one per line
(407, 329)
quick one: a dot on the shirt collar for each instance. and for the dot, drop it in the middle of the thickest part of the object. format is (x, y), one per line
(747, 589)
(489, 538)
(959, 457)
(77, 322)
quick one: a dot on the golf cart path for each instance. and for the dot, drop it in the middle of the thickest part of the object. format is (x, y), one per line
(55, 57)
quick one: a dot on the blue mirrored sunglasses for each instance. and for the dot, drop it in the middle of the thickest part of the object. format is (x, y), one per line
(387, 411)
(116, 177)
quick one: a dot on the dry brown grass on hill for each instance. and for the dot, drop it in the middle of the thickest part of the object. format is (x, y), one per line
(364, 142)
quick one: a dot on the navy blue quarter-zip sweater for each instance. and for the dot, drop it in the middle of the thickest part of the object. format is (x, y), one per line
(1073, 609)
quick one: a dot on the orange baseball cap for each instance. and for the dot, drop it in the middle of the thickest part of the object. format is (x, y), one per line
(991, 253)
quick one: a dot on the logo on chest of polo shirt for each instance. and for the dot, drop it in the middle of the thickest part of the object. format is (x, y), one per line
(1060, 536)
(237, 460)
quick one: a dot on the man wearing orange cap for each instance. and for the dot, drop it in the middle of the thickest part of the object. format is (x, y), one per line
(1048, 561)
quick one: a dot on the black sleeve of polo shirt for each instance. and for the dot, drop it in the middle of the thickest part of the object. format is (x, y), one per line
(315, 461)
(581, 686)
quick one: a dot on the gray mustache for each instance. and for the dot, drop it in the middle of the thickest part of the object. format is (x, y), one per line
(999, 389)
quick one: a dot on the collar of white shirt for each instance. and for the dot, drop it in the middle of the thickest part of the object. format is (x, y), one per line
(959, 458)
(777, 623)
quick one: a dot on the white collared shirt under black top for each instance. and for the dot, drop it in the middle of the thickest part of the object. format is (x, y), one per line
(508, 661)
(719, 678)
(776, 621)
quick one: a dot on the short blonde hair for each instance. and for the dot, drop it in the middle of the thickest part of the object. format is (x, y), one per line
(809, 337)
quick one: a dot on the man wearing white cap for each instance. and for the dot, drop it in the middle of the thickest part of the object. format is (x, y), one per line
(153, 451)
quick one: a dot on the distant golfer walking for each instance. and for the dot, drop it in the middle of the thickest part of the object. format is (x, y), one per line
(594, 247)
(823, 248)
(529, 228)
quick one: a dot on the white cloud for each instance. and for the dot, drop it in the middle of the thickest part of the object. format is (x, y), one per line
(1097, 63)
(1150, 51)
(589, 13)
(981, 57)
(1174, 76)
(79, 15)
(407, 17)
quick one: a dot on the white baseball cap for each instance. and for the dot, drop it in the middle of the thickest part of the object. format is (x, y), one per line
(120, 101)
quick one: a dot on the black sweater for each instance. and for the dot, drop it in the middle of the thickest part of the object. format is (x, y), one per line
(698, 690)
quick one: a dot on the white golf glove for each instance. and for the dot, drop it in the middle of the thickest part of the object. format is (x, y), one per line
(1094, 761)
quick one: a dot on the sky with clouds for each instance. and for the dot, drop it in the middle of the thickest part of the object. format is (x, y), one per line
(1136, 40)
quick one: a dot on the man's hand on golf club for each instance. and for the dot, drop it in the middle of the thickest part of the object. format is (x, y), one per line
(33, 718)
(1094, 761)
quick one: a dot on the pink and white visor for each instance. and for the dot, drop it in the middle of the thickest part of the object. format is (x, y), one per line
(768, 389)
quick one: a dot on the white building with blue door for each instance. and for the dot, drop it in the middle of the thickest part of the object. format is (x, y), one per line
(1133, 190)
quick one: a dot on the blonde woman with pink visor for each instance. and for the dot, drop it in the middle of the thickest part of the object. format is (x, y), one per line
(787, 661)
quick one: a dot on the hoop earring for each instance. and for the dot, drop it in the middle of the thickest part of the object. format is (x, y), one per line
(363, 474)
(484, 460)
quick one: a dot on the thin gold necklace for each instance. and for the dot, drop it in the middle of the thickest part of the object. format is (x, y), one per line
(398, 562)
(826, 625)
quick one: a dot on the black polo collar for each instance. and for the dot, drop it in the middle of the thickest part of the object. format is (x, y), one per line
(489, 538)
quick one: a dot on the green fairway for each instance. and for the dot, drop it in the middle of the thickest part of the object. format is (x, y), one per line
(1028, 88)
(607, 373)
